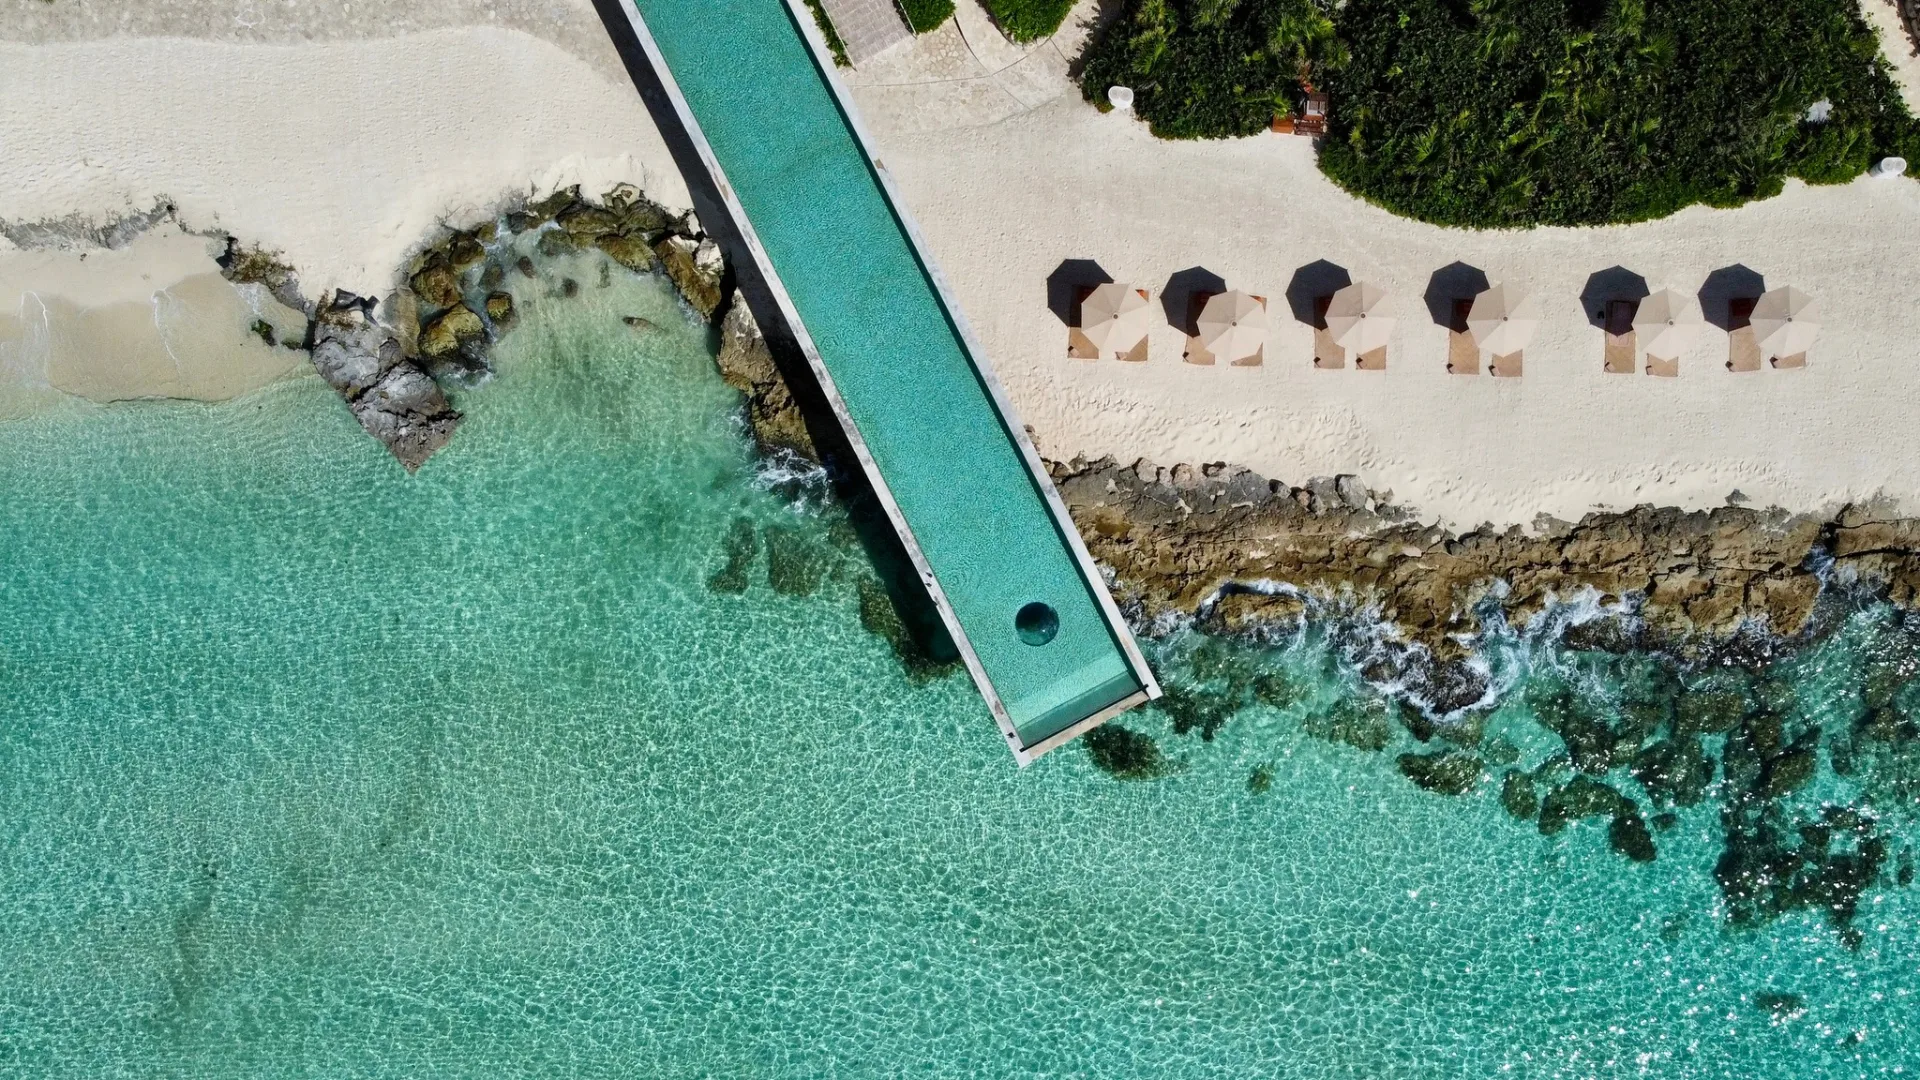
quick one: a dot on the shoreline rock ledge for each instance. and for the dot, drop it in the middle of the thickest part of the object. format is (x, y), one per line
(461, 293)
(1213, 541)
(1226, 543)
(394, 399)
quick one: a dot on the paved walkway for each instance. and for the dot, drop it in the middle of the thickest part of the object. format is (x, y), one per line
(967, 74)
(866, 27)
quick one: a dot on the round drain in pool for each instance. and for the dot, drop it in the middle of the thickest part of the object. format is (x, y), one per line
(1037, 623)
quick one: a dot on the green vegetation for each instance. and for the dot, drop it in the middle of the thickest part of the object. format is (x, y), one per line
(1203, 69)
(1501, 113)
(1511, 113)
(1029, 20)
(926, 15)
(838, 47)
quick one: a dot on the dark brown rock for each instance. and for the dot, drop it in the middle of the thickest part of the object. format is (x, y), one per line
(1175, 542)
(1792, 770)
(697, 268)
(449, 331)
(1581, 797)
(629, 250)
(1517, 795)
(1674, 771)
(1359, 722)
(747, 364)
(1629, 836)
(436, 284)
(1447, 772)
(587, 223)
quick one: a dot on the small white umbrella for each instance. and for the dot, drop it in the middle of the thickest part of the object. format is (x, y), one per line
(1355, 321)
(1503, 319)
(1233, 325)
(1115, 317)
(1667, 323)
(1786, 321)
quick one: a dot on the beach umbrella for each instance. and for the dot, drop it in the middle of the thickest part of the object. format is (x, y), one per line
(1786, 321)
(1667, 323)
(1233, 325)
(1502, 319)
(1355, 320)
(1115, 317)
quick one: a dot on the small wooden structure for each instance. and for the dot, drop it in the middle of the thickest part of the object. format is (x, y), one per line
(1463, 355)
(1618, 358)
(1743, 345)
(1310, 121)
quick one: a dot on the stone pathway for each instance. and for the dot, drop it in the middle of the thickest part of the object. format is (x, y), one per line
(967, 74)
(867, 27)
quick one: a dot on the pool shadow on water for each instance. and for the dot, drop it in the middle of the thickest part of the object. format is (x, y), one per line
(919, 637)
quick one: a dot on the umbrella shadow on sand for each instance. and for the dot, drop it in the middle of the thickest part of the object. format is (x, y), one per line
(1725, 285)
(1311, 283)
(1613, 283)
(1070, 281)
(1450, 284)
(1177, 297)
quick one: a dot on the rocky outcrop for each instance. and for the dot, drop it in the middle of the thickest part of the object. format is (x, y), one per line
(697, 268)
(255, 266)
(447, 333)
(747, 364)
(1244, 551)
(394, 400)
(455, 301)
(1217, 538)
(78, 231)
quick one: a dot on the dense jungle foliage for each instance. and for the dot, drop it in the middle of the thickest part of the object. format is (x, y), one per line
(1496, 113)
(926, 15)
(1205, 69)
(1029, 20)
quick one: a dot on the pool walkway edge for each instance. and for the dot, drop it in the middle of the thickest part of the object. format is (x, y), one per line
(748, 100)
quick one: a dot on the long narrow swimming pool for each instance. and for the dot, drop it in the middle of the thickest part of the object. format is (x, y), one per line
(751, 86)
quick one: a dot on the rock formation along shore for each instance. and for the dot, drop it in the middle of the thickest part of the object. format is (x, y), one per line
(388, 358)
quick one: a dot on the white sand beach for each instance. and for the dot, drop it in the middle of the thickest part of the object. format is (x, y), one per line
(1010, 174)
(342, 155)
(151, 319)
(343, 143)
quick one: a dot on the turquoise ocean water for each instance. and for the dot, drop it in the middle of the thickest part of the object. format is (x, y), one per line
(312, 769)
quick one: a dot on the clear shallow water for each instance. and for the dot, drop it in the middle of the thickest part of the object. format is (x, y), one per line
(311, 769)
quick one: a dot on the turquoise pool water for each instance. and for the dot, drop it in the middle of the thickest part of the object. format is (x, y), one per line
(312, 769)
(898, 362)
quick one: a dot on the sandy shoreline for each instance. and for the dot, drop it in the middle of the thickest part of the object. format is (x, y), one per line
(148, 320)
(345, 155)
